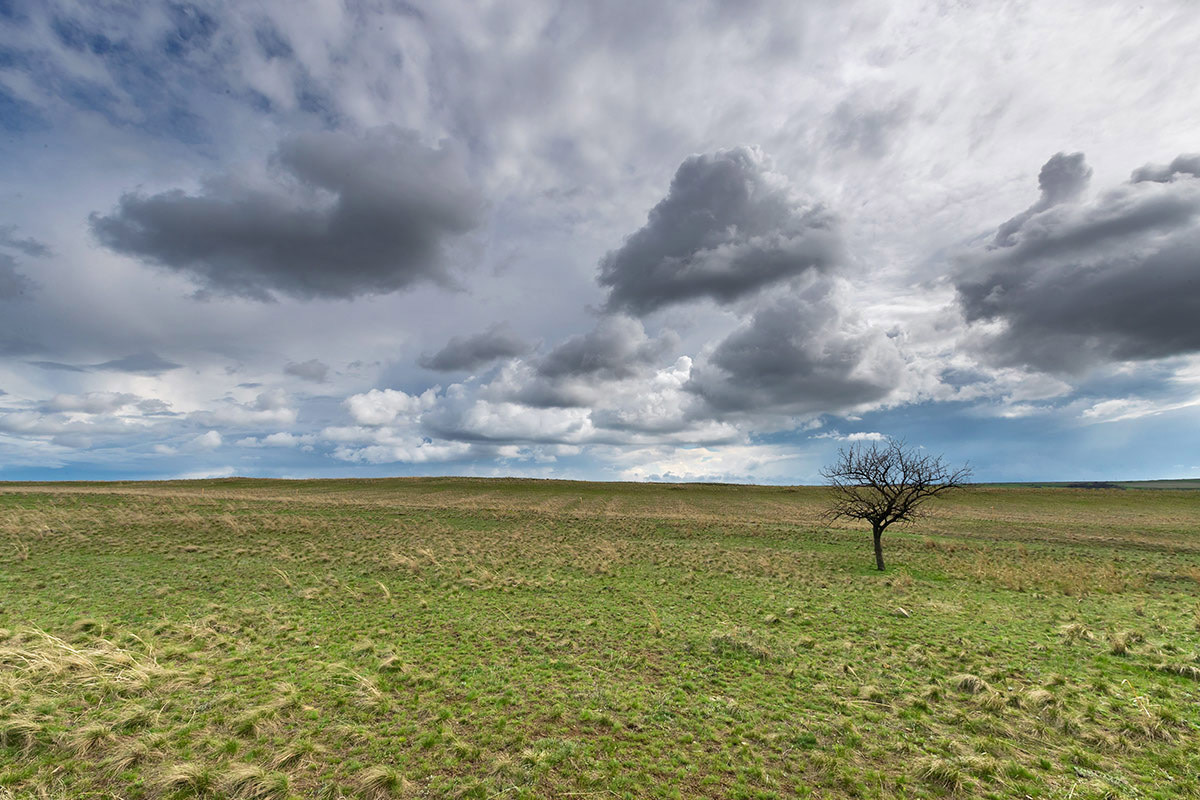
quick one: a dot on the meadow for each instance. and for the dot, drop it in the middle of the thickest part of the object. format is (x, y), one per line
(536, 639)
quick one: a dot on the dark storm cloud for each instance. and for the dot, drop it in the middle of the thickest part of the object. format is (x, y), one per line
(727, 227)
(311, 370)
(344, 216)
(472, 352)
(27, 245)
(1076, 285)
(799, 354)
(1063, 179)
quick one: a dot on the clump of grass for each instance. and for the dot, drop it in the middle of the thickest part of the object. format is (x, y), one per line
(134, 718)
(252, 782)
(295, 752)
(1119, 644)
(741, 642)
(971, 684)
(1073, 632)
(381, 782)
(872, 694)
(1191, 671)
(130, 755)
(19, 731)
(188, 776)
(87, 739)
(942, 772)
(990, 701)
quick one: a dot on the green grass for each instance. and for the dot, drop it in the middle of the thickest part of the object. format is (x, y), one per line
(507, 638)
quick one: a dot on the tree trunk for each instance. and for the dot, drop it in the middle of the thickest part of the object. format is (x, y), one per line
(878, 531)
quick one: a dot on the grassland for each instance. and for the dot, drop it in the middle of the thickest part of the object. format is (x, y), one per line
(455, 638)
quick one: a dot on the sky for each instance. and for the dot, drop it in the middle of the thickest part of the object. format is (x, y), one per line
(617, 240)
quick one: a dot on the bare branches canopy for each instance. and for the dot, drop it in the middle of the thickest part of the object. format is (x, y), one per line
(887, 482)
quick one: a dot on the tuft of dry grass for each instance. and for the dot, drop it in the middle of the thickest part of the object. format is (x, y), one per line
(381, 782)
(971, 684)
(942, 772)
(19, 731)
(187, 776)
(1073, 632)
(252, 782)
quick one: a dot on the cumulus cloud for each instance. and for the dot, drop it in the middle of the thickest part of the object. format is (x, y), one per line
(482, 420)
(279, 439)
(210, 440)
(857, 436)
(729, 463)
(341, 216)
(388, 406)
(800, 354)
(472, 352)
(385, 445)
(1078, 284)
(311, 370)
(729, 226)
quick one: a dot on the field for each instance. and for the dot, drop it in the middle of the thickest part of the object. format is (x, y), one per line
(519, 639)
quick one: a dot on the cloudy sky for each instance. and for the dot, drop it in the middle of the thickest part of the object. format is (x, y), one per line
(702, 240)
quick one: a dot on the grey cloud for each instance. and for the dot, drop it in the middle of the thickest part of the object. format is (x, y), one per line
(155, 407)
(57, 366)
(29, 246)
(1187, 164)
(1111, 280)
(90, 403)
(473, 352)
(573, 373)
(13, 284)
(728, 226)
(75, 441)
(1062, 179)
(616, 348)
(145, 363)
(343, 216)
(799, 354)
(311, 370)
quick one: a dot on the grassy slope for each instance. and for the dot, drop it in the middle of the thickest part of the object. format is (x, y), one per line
(451, 637)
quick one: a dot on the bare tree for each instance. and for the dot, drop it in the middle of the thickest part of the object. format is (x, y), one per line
(886, 482)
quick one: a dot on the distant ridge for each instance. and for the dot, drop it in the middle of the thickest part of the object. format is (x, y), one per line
(1167, 483)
